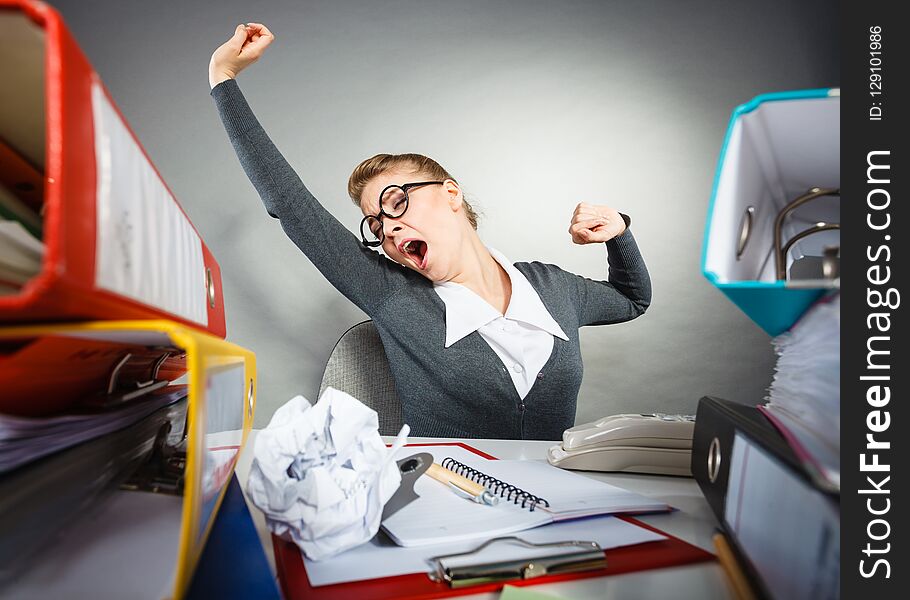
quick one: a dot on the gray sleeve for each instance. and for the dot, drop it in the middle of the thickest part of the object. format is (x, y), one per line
(626, 293)
(363, 275)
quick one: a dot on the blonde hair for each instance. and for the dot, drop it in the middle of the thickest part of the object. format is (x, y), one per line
(416, 163)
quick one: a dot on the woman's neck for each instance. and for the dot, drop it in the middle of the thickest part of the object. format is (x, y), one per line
(483, 275)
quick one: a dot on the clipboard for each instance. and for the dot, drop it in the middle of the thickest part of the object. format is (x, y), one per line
(653, 555)
(118, 245)
(775, 206)
(121, 358)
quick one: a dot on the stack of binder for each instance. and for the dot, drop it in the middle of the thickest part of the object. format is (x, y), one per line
(123, 408)
(771, 473)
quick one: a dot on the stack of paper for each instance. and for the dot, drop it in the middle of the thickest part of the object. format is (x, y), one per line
(24, 439)
(804, 397)
(20, 256)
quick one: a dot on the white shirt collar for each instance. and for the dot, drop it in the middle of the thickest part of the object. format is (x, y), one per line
(466, 312)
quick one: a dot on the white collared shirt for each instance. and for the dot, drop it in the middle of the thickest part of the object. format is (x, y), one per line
(522, 338)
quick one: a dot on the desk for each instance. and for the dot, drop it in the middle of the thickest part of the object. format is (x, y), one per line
(693, 522)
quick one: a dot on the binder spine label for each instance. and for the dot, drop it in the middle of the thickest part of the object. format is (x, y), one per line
(146, 248)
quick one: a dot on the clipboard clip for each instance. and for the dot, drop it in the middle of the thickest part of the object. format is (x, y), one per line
(575, 556)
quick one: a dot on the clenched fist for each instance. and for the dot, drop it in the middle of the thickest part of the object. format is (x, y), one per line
(243, 49)
(591, 223)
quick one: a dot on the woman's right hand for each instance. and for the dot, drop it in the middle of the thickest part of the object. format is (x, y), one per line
(243, 49)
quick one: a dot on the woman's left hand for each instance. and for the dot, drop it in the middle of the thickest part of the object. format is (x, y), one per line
(592, 223)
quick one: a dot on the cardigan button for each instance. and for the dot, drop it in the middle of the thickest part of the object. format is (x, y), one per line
(540, 375)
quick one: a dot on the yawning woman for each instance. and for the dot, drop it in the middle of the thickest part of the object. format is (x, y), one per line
(479, 347)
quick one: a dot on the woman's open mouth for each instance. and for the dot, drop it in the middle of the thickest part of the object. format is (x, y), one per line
(416, 250)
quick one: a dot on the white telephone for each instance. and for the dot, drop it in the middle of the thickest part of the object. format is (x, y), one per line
(652, 443)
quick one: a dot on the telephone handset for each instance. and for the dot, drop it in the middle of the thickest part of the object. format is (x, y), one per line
(653, 443)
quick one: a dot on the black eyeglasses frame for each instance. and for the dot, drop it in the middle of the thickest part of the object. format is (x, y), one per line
(407, 202)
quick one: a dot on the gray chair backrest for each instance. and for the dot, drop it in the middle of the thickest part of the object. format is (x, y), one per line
(359, 367)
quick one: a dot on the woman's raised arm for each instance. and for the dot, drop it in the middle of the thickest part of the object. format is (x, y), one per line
(363, 275)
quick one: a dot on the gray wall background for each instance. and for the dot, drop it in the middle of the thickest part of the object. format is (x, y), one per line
(533, 106)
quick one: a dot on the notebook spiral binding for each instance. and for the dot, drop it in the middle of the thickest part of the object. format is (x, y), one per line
(495, 486)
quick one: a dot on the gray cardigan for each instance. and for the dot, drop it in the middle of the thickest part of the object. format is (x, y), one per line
(463, 391)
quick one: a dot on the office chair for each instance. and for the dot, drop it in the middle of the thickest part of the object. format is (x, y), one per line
(358, 366)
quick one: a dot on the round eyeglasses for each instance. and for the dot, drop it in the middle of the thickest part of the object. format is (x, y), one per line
(393, 203)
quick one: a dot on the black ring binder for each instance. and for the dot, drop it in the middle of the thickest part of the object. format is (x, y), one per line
(495, 486)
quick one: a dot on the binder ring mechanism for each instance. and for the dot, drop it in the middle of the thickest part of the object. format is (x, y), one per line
(132, 378)
(577, 556)
(830, 261)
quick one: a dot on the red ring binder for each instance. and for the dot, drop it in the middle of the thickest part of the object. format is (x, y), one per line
(70, 285)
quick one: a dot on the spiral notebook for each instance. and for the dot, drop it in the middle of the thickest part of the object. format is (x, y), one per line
(533, 494)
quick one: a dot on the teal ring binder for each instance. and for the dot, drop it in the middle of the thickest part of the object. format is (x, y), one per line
(744, 269)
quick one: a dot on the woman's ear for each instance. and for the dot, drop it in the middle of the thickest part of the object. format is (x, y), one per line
(453, 194)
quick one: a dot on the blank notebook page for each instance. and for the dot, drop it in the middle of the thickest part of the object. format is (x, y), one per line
(439, 515)
(570, 495)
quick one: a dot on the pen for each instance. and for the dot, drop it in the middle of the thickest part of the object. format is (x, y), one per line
(462, 485)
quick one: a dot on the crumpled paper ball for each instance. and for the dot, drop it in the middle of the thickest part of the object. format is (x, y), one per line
(322, 474)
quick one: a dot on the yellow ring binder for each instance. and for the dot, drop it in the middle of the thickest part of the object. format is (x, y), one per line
(221, 379)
